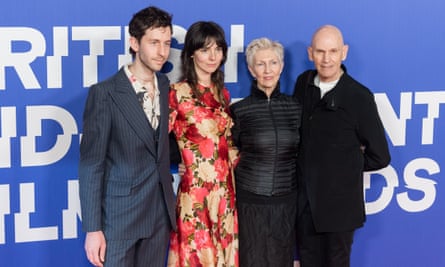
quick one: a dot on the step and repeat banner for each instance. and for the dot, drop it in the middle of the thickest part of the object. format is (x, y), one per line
(52, 51)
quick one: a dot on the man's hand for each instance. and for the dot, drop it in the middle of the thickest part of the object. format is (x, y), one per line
(95, 247)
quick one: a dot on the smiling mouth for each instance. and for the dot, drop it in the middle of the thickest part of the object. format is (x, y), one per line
(160, 60)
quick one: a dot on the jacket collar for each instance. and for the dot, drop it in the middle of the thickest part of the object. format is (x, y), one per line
(256, 92)
(314, 72)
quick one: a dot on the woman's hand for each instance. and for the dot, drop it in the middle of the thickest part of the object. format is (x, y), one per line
(181, 169)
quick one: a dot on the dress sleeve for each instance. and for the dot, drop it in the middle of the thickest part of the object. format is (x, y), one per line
(173, 108)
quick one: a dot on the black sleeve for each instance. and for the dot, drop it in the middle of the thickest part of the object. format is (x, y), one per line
(175, 156)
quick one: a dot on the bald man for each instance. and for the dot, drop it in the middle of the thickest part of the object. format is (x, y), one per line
(342, 136)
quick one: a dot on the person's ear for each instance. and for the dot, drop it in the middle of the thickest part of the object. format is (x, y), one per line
(134, 44)
(251, 72)
(309, 53)
(345, 52)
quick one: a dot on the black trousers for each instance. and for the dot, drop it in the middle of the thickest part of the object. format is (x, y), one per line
(266, 229)
(327, 249)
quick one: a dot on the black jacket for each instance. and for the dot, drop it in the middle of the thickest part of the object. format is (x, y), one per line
(331, 160)
(266, 131)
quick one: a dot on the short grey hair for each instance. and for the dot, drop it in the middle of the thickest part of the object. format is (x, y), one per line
(260, 44)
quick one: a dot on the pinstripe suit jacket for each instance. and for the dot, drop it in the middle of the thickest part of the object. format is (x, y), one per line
(125, 184)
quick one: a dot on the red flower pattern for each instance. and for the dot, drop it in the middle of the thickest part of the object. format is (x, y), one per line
(206, 215)
(207, 147)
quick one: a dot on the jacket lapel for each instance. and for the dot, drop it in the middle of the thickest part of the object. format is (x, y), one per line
(126, 100)
(164, 87)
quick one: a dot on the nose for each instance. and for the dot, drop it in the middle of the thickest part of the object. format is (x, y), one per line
(326, 57)
(267, 67)
(164, 49)
(212, 54)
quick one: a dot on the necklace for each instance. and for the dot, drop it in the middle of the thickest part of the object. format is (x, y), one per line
(143, 81)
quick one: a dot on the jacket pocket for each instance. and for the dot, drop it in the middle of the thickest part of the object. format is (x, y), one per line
(118, 188)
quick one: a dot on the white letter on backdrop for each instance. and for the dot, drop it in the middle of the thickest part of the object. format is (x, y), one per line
(34, 117)
(424, 185)
(175, 54)
(4, 209)
(7, 130)
(236, 46)
(390, 175)
(23, 230)
(433, 101)
(71, 214)
(54, 62)
(394, 126)
(20, 60)
(96, 37)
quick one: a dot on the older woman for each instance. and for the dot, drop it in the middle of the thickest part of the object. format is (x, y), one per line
(266, 132)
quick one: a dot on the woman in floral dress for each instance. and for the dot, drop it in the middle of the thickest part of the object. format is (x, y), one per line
(207, 233)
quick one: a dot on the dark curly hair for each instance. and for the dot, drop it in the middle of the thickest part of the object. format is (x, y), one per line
(147, 18)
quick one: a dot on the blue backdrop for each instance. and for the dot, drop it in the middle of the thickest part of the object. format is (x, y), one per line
(51, 51)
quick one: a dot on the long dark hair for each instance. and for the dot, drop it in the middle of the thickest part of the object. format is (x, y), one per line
(199, 35)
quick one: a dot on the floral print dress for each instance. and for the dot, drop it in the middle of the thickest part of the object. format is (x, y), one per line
(207, 220)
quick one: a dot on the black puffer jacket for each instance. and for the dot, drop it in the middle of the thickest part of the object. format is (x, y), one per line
(266, 131)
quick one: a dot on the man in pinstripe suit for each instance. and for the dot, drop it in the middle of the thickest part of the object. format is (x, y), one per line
(126, 193)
